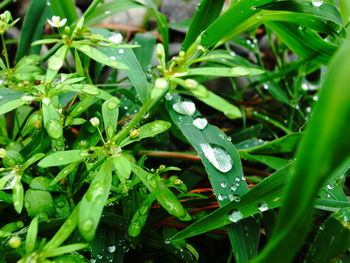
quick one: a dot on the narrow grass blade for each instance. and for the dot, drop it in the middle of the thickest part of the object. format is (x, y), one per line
(206, 13)
(32, 28)
(322, 149)
(105, 10)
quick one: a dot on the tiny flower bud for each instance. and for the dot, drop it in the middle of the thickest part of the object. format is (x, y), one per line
(134, 133)
(15, 242)
(160, 53)
(95, 121)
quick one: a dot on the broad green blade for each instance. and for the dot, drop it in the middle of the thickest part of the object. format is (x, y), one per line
(206, 13)
(223, 165)
(324, 146)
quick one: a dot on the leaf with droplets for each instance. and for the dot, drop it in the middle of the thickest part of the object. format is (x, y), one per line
(110, 111)
(63, 158)
(93, 201)
(237, 71)
(224, 168)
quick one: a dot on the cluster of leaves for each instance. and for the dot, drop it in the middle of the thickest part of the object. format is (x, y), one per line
(87, 127)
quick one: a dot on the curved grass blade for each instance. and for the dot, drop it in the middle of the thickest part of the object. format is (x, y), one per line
(322, 149)
(32, 28)
(223, 165)
(105, 10)
(63, 158)
(206, 13)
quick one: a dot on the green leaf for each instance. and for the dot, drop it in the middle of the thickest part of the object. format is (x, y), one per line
(64, 250)
(206, 13)
(109, 8)
(165, 197)
(134, 71)
(224, 72)
(218, 103)
(55, 63)
(147, 131)
(32, 28)
(122, 164)
(64, 172)
(11, 105)
(18, 195)
(224, 169)
(332, 238)
(110, 113)
(64, 232)
(98, 56)
(93, 201)
(31, 235)
(63, 158)
(315, 161)
(144, 53)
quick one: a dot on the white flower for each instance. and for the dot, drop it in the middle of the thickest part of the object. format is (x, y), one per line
(95, 121)
(57, 22)
(116, 38)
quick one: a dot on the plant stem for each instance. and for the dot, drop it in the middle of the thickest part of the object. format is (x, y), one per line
(91, 8)
(138, 117)
(5, 51)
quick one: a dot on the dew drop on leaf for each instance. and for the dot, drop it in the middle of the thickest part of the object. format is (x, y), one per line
(185, 107)
(111, 248)
(218, 157)
(317, 3)
(54, 129)
(223, 184)
(263, 206)
(90, 89)
(121, 51)
(235, 216)
(200, 123)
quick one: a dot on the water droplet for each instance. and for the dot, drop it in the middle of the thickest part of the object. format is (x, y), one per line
(200, 123)
(113, 58)
(88, 225)
(92, 260)
(322, 227)
(236, 197)
(317, 3)
(168, 96)
(330, 187)
(263, 206)
(99, 256)
(48, 3)
(185, 107)
(240, 71)
(235, 216)
(221, 197)
(121, 51)
(315, 98)
(238, 179)
(223, 184)
(308, 109)
(218, 157)
(107, 12)
(111, 248)
(243, 178)
(46, 101)
(112, 105)
(234, 187)
(232, 53)
(90, 89)
(265, 86)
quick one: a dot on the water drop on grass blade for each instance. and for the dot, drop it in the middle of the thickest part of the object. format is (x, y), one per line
(218, 157)
(185, 107)
(235, 216)
(263, 207)
(200, 123)
(111, 248)
(317, 3)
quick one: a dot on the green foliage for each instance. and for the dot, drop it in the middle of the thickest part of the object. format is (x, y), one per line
(109, 155)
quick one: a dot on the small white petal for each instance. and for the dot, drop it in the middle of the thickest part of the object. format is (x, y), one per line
(63, 22)
(116, 38)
